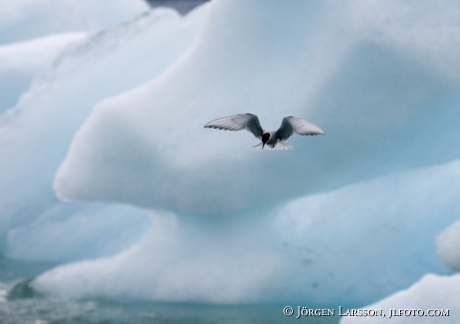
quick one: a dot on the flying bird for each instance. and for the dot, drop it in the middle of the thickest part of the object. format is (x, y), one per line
(275, 140)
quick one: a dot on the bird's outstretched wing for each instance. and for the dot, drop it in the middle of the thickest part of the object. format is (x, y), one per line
(238, 122)
(300, 126)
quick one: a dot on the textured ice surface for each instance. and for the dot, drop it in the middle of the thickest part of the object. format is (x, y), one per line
(347, 218)
(383, 108)
(432, 292)
(36, 133)
(371, 229)
(21, 62)
(26, 19)
(176, 261)
(69, 232)
(389, 109)
(448, 246)
(348, 246)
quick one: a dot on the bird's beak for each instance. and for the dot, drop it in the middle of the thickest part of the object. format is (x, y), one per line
(263, 144)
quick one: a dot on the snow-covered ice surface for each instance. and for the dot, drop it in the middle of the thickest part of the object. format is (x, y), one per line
(345, 219)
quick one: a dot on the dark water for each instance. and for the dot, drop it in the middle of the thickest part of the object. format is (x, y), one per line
(182, 6)
(20, 304)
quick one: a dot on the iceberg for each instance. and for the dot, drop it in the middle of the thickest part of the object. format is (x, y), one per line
(35, 33)
(175, 261)
(84, 231)
(381, 94)
(433, 299)
(308, 249)
(22, 20)
(378, 229)
(36, 133)
(21, 62)
(385, 107)
(447, 247)
(345, 219)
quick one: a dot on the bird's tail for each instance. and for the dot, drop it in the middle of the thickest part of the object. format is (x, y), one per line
(278, 147)
(283, 146)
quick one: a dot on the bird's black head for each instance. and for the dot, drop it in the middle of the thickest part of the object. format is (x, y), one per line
(265, 138)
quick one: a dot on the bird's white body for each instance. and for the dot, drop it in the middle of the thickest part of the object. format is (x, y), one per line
(274, 140)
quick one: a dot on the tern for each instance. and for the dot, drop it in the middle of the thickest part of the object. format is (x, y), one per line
(275, 140)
